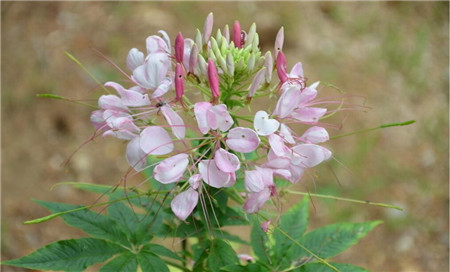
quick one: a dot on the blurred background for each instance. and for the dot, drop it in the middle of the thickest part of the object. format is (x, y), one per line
(395, 54)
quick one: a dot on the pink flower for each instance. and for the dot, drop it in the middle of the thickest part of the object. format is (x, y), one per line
(212, 117)
(213, 176)
(151, 74)
(179, 82)
(315, 135)
(156, 44)
(226, 161)
(171, 169)
(156, 141)
(255, 201)
(281, 67)
(130, 97)
(264, 125)
(136, 157)
(135, 59)
(175, 121)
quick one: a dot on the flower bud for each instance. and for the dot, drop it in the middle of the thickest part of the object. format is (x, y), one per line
(257, 81)
(223, 45)
(268, 63)
(237, 38)
(226, 33)
(193, 58)
(279, 40)
(230, 64)
(281, 67)
(213, 79)
(255, 43)
(219, 36)
(179, 81)
(179, 48)
(202, 66)
(215, 47)
(250, 35)
(198, 40)
(251, 63)
(222, 63)
(207, 28)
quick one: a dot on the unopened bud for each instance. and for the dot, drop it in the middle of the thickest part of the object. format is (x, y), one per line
(257, 81)
(198, 40)
(213, 79)
(223, 45)
(193, 58)
(255, 43)
(219, 36)
(268, 63)
(237, 38)
(281, 67)
(202, 66)
(251, 33)
(179, 81)
(222, 64)
(251, 63)
(279, 40)
(207, 28)
(230, 64)
(215, 47)
(179, 48)
(226, 33)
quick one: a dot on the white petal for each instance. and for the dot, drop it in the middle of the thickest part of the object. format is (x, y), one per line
(156, 141)
(200, 110)
(171, 169)
(264, 125)
(226, 161)
(136, 157)
(175, 121)
(242, 140)
(135, 59)
(184, 203)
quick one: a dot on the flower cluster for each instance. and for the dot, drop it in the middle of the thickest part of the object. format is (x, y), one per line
(210, 79)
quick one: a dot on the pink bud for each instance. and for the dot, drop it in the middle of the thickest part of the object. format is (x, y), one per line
(179, 81)
(279, 40)
(207, 28)
(265, 225)
(179, 48)
(281, 67)
(237, 38)
(213, 78)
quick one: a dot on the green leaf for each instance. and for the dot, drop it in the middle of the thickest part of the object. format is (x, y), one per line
(68, 255)
(201, 251)
(161, 251)
(331, 240)
(294, 222)
(259, 241)
(151, 263)
(94, 224)
(252, 267)
(320, 267)
(126, 262)
(220, 255)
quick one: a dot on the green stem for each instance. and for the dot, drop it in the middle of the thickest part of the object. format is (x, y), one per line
(344, 199)
(374, 128)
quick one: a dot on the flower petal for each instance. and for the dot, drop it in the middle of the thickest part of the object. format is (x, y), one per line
(213, 176)
(226, 161)
(277, 145)
(156, 44)
(153, 71)
(286, 134)
(111, 102)
(136, 157)
(242, 140)
(288, 101)
(171, 169)
(135, 59)
(163, 88)
(315, 135)
(256, 200)
(253, 181)
(194, 181)
(129, 98)
(175, 122)
(156, 141)
(184, 203)
(264, 125)
(200, 110)
(309, 115)
(310, 155)
(219, 118)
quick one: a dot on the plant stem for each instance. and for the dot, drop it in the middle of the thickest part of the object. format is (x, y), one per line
(374, 128)
(344, 199)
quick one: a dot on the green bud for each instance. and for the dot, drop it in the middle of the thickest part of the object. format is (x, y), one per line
(202, 66)
(222, 64)
(255, 43)
(219, 36)
(251, 63)
(251, 33)
(230, 64)
(212, 55)
(198, 40)
(215, 47)
(223, 45)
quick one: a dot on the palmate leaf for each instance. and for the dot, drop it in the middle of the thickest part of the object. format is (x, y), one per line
(331, 240)
(94, 224)
(294, 222)
(68, 255)
(259, 243)
(151, 263)
(319, 267)
(220, 255)
(126, 262)
(161, 251)
(251, 267)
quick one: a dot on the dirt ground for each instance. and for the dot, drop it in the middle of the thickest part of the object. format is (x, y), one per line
(395, 54)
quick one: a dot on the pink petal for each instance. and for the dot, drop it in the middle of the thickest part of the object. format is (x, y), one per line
(111, 102)
(184, 203)
(256, 200)
(265, 225)
(226, 161)
(156, 141)
(242, 140)
(257, 81)
(136, 157)
(309, 114)
(310, 155)
(246, 257)
(213, 176)
(175, 121)
(284, 173)
(153, 71)
(219, 118)
(296, 173)
(288, 101)
(188, 45)
(207, 28)
(194, 181)
(297, 70)
(267, 176)
(315, 135)
(264, 125)
(111, 115)
(200, 110)
(129, 98)
(307, 95)
(286, 134)
(122, 128)
(97, 119)
(277, 145)
(279, 40)
(253, 181)
(171, 169)
(163, 88)
(135, 58)
(156, 44)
